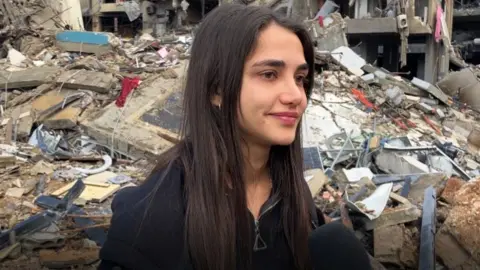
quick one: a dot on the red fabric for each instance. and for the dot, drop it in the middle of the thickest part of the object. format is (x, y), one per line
(128, 84)
(320, 21)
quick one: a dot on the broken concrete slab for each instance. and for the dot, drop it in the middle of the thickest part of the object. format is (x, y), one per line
(131, 133)
(40, 90)
(383, 77)
(391, 162)
(456, 82)
(372, 26)
(463, 222)
(349, 60)
(15, 192)
(168, 116)
(469, 95)
(369, 78)
(394, 216)
(24, 127)
(44, 102)
(89, 80)
(7, 160)
(27, 78)
(437, 93)
(396, 245)
(47, 109)
(65, 119)
(417, 189)
(452, 185)
(452, 254)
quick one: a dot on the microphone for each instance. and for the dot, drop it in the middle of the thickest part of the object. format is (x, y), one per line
(334, 247)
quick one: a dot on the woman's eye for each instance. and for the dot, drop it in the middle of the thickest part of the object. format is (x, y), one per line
(269, 75)
(300, 79)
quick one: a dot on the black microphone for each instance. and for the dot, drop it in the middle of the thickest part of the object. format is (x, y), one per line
(334, 247)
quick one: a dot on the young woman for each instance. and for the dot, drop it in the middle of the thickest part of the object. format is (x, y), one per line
(232, 194)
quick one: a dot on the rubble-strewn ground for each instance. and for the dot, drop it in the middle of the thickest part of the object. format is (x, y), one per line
(375, 145)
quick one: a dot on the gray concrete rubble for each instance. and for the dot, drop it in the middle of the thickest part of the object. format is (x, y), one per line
(99, 106)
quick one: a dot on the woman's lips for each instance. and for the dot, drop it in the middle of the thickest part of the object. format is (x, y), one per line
(286, 118)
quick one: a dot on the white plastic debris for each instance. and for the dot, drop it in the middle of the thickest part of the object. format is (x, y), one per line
(108, 162)
(15, 57)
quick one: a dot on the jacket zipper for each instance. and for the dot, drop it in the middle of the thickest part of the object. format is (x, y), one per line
(260, 244)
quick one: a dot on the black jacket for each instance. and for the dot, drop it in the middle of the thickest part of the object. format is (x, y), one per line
(147, 230)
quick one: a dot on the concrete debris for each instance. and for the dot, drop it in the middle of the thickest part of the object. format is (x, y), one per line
(457, 241)
(349, 60)
(458, 81)
(331, 35)
(384, 135)
(396, 245)
(27, 78)
(409, 133)
(431, 89)
(88, 80)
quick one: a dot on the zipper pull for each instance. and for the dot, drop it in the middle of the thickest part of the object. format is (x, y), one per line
(259, 242)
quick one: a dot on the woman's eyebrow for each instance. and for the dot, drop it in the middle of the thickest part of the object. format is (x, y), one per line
(278, 63)
(270, 63)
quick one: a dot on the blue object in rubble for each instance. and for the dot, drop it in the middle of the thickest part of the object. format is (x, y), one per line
(97, 38)
(311, 158)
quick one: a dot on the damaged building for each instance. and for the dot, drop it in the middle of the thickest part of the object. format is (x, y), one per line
(466, 25)
(154, 16)
(401, 36)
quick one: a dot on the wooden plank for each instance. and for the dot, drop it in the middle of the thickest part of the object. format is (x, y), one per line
(68, 259)
(94, 192)
(63, 119)
(44, 102)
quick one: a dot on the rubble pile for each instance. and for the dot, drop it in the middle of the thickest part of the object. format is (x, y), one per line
(14, 16)
(57, 182)
(396, 160)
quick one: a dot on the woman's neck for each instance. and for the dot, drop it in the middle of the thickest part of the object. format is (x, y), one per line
(256, 162)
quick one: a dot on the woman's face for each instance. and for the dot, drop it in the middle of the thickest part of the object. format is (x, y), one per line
(272, 98)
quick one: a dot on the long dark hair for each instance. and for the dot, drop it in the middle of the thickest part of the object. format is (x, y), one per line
(217, 226)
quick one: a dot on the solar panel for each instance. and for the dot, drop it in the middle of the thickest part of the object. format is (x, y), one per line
(311, 158)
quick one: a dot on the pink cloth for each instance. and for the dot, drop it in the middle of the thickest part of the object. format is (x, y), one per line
(320, 21)
(438, 25)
